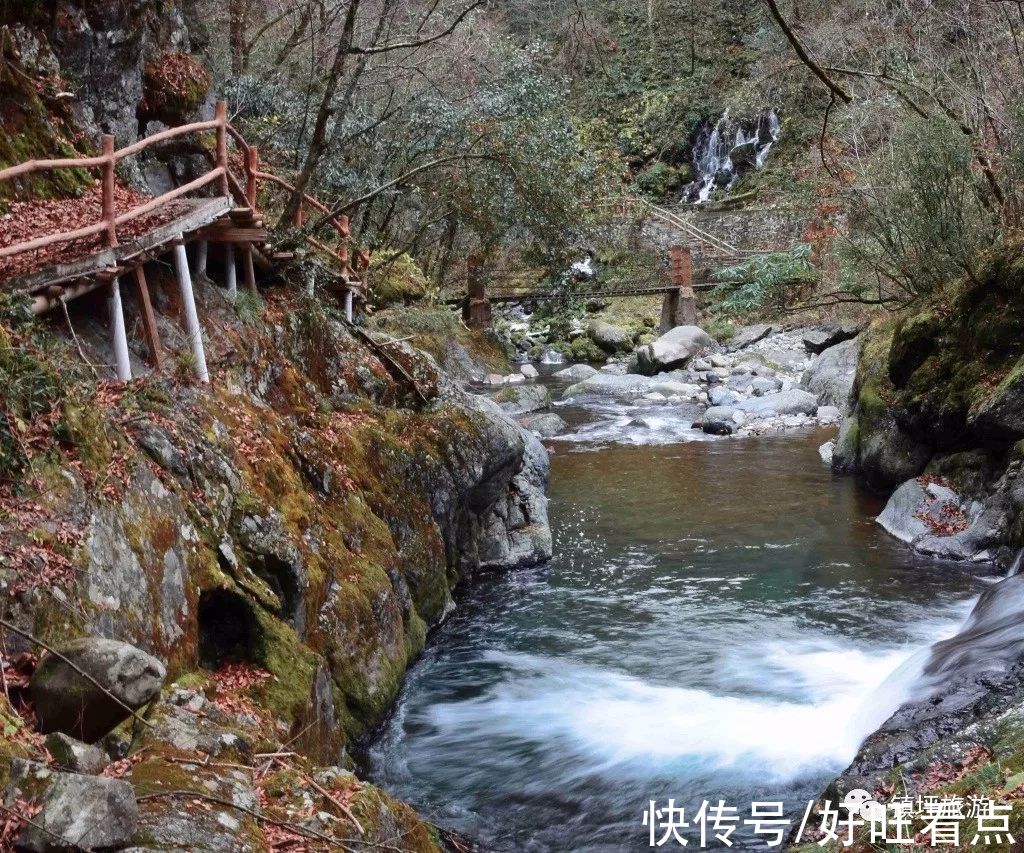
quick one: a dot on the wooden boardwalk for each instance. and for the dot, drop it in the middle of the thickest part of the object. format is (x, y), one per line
(217, 209)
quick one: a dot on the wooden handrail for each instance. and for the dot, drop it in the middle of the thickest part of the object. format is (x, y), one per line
(229, 185)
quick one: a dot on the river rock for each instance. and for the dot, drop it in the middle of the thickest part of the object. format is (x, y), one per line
(611, 339)
(761, 385)
(67, 702)
(829, 415)
(524, 399)
(826, 450)
(749, 335)
(626, 386)
(83, 812)
(934, 519)
(821, 339)
(719, 420)
(529, 371)
(720, 396)
(546, 425)
(670, 388)
(791, 402)
(673, 349)
(577, 373)
(719, 360)
(73, 755)
(832, 373)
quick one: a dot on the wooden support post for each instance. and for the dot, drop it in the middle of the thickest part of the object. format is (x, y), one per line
(202, 255)
(679, 307)
(230, 272)
(349, 300)
(221, 115)
(476, 310)
(188, 302)
(118, 334)
(156, 351)
(109, 214)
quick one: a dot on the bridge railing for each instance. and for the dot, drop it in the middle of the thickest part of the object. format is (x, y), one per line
(628, 205)
(243, 192)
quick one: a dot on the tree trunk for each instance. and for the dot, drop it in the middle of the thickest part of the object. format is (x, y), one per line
(318, 141)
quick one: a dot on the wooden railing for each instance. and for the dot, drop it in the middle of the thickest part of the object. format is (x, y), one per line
(227, 184)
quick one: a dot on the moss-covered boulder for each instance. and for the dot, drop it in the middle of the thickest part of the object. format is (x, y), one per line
(174, 87)
(396, 280)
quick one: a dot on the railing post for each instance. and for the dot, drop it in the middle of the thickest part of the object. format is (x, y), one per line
(221, 116)
(343, 234)
(108, 212)
(476, 310)
(252, 166)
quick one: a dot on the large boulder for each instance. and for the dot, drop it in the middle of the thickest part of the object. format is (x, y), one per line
(523, 399)
(78, 812)
(546, 424)
(791, 402)
(611, 339)
(576, 373)
(934, 519)
(830, 376)
(629, 385)
(719, 420)
(820, 339)
(673, 349)
(749, 335)
(1001, 414)
(123, 678)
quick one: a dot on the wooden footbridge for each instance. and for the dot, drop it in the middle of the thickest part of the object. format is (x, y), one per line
(679, 288)
(217, 209)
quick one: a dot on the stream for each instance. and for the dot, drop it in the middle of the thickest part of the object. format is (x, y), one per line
(720, 621)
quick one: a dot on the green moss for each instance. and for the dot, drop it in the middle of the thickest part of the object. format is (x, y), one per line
(31, 128)
(396, 279)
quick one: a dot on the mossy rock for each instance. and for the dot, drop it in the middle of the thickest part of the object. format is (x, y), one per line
(35, 124)
(174, 87)
(584, 349)
(396, 280)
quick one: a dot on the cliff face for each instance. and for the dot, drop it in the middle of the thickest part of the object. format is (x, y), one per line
(939, 419)
(308, 516)
(939, 394)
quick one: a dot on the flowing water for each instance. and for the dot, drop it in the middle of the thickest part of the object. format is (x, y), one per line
(720, 620)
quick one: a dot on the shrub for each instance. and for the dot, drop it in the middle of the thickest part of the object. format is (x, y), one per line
(396, 279)
(923, 221)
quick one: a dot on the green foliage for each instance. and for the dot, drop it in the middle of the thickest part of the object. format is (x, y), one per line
(32, 387)
(396, 279)
(762, 280)
(248, 307)
(923, 223)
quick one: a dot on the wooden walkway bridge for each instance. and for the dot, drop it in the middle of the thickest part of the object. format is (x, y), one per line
(218, 208)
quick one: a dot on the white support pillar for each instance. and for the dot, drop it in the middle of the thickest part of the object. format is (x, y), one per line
(202, 252)
(118, 334)
(349, 299)
(188, 302)
(230, 271)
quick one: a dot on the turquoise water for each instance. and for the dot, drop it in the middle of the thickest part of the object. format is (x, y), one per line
(720, 620)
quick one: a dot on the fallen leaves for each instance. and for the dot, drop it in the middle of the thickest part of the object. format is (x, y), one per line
(27, 220)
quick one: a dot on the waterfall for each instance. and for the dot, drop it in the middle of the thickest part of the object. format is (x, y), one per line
(728, 149)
